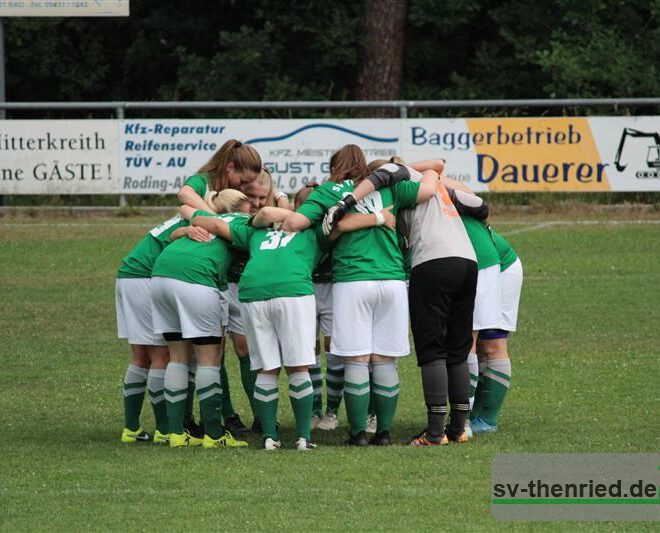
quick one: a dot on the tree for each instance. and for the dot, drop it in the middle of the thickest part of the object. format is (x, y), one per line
(381, 63)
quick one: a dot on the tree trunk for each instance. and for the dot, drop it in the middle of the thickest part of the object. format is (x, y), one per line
(381, 60)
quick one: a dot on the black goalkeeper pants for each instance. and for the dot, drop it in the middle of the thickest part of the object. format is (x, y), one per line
(441, 299)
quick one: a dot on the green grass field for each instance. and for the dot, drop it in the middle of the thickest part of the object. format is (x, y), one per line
(586, 378)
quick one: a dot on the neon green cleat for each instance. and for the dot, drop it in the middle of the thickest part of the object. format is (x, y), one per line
(178, 440)
(161, 438)
(139, 435)
(226, 441)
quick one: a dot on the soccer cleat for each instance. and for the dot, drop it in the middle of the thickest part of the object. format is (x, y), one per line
(178, 440)
(256, 426)
(228, 441)
(194, 429)
(271, 444)
(459, 438)
(304, 444)
(426, 439)
(139, 435)
(316, 420)
(479, 425)
(161, 438)
(381, 439)
(372, 424)
(193, 440)
(357, 440)
(468, 428)
(328, 422)
(235, 425)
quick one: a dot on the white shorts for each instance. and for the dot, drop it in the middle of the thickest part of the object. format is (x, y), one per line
(133, 303)
(510, 288)
(187, 308)
(224, 307)
(280, 332)
(370, 317)
(323, 295)
(487, 307)
(235, 322)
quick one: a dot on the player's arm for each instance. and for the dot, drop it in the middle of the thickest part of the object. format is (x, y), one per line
(213, 225)
(267, 216)
(456, 185)
(192, 232)
(429, 164)
(387, 175)
(296, 222)
(468, 204)
(356, 221)
(188, 196)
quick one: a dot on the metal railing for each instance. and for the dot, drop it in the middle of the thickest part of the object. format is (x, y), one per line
(403, 106)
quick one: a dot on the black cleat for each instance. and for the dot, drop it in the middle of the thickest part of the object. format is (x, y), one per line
(196, 430)
(357, 440)
(256, 426)
(235, 425)
(381, 439)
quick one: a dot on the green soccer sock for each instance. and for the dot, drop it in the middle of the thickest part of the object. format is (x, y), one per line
(317, 383)
(497, 379)
(334, 382)
(356, 395)
(248, 377)
(266, 396)
(176, 392)
(190, 398)
(386, 394)
(301, 393)
(135, 385)
(155, 385)
(227, 406)
(480, 399)
(209, 394)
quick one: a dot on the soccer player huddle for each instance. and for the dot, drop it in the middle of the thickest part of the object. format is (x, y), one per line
(376, 247)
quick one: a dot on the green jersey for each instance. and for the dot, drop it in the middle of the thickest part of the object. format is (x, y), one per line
(507, 255)
(370, 253)
(199, 184)
(482, 242)
(140, 260)
(280, 263)
(201, 263)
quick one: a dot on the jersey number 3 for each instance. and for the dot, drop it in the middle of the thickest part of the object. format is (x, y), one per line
(276, 239)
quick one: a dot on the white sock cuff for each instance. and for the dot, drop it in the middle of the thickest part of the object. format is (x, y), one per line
(135, 374)
(386, 374)
(156, 373)
(266, 381)
(298, 378)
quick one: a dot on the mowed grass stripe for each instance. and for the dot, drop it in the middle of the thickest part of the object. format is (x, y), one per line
(584, 371)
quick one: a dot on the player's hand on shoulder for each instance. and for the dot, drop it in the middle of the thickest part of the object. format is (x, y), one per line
(390, 219)
(198, 234)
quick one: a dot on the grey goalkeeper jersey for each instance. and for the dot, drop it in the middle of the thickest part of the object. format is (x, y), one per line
(434, 229)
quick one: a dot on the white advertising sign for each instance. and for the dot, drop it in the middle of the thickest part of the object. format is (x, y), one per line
(488, 154)
(158, 155)
(64, 8)
(59, 157)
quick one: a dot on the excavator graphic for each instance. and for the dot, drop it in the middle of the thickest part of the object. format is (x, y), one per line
(652, 155)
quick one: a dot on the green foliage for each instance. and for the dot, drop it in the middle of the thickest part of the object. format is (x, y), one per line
(279, 50)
